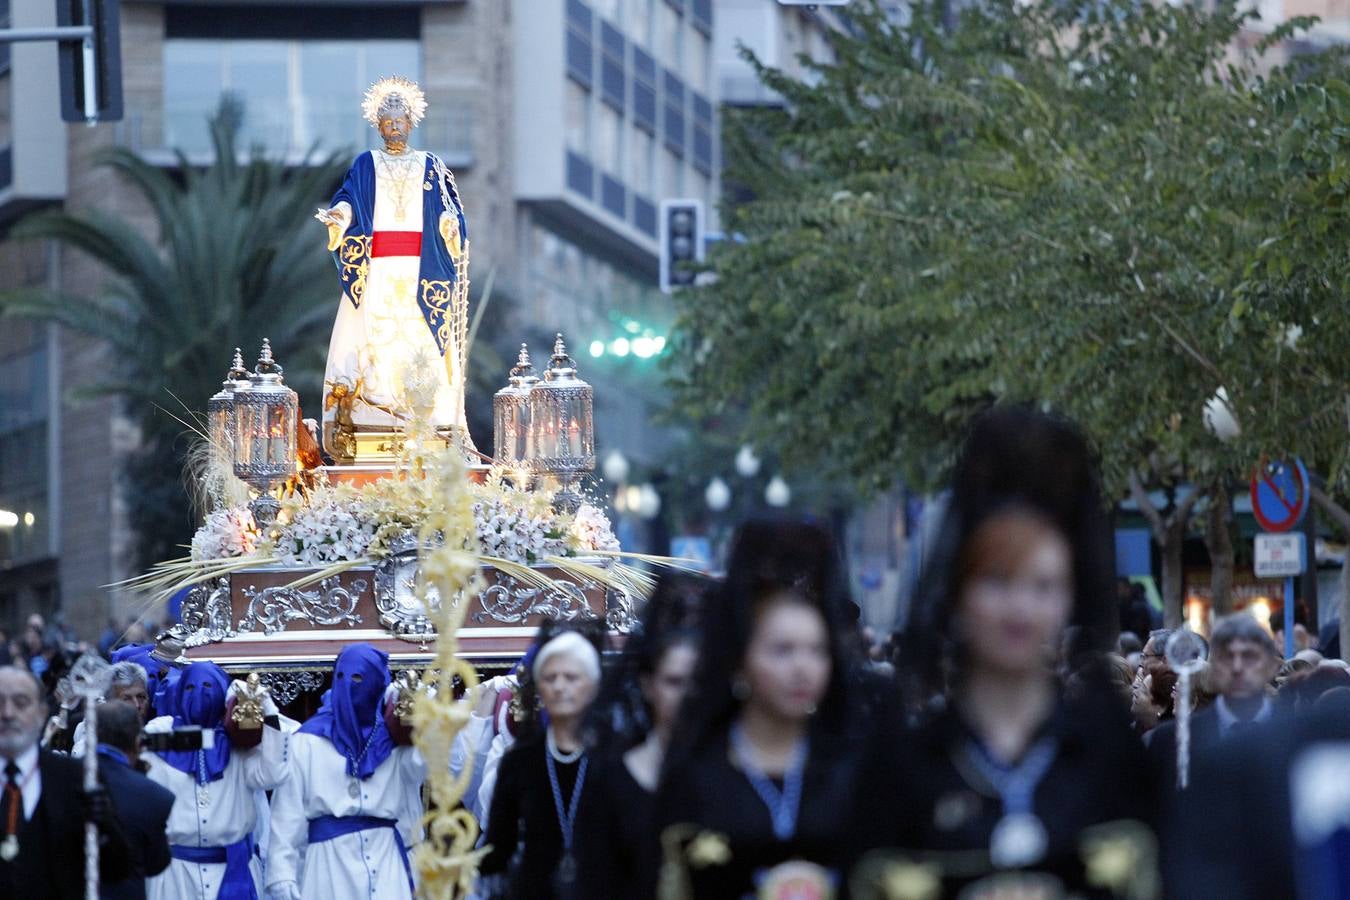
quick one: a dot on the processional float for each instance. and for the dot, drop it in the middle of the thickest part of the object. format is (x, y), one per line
(406, 536)
(299, 555)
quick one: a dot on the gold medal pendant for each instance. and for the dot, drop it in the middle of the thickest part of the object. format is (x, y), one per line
(354, 789)
(203, 796)
(9, 848)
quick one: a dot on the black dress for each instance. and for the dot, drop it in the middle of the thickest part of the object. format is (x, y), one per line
(716, 834)
(929, 806)
(612, 827)
(523, 830)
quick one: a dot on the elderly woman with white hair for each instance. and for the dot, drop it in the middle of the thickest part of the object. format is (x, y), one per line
(542, 779)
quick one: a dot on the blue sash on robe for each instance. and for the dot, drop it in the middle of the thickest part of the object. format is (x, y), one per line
(326, 828)
(238, 881)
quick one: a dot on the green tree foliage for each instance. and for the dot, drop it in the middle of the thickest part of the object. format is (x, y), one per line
(1106, 209)
(235, 259)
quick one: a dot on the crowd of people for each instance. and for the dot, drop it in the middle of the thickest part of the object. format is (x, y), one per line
(748, 740)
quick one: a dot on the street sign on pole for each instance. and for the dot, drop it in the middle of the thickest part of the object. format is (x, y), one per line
(1280, 494)
(1280, 555)
(1283, 556)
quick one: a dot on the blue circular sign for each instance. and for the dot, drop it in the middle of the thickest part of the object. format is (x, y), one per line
(1280, 494)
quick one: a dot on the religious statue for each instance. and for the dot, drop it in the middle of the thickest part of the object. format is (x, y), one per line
(397, 233)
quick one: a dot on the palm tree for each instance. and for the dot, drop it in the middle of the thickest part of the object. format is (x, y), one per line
(236, 259)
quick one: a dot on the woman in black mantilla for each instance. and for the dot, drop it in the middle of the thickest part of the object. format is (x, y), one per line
(755, 795)
(634, 720)
(543, 778)
(1008, 785)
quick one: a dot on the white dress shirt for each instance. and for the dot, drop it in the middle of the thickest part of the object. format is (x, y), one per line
(1227, 719)
(29, 778)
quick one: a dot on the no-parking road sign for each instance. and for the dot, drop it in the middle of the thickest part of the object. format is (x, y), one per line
(1280, 494)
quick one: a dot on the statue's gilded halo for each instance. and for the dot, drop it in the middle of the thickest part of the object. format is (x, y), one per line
(381, 90)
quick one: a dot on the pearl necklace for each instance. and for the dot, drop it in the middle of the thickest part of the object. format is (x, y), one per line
(553, 751)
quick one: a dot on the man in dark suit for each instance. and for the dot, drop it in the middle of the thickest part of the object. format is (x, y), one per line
(43, 806)
(1244, 660)
(142, 806)
(1269, 819)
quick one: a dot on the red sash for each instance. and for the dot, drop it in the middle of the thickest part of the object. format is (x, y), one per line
(396, 243)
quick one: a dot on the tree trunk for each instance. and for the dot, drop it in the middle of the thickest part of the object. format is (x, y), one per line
(1219, 541)
(1169, 533)
(1341, 516)
(1172, 587)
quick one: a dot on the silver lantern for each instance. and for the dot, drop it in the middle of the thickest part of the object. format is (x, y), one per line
(511, 416)
(220, 408)
(562, 427)
(264, 435)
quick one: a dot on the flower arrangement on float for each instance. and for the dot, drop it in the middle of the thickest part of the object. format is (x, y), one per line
(333, 524)
(321, 529)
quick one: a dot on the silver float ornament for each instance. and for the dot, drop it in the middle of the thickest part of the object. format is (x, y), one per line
(265, 418)
(562, 427)
(220, 408)
(1185, 654)
(511, 416)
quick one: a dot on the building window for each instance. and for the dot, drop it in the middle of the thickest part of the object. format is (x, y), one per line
(577, 118)
(644, 215)
(701, 13)
(288, 95)
(674, 114)
(580, 47)
(24, 506)
(580, 175)
(613, 197)
(612, 81)
(644, 91)
(5, 22)
(703, 134)
(670, 34)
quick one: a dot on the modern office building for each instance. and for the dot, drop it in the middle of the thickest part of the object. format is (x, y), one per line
(565, 121)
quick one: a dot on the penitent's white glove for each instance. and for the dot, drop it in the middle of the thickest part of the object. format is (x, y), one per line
(284, 890)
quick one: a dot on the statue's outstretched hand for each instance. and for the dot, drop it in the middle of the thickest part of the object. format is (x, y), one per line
(336, 222)
(449, 226)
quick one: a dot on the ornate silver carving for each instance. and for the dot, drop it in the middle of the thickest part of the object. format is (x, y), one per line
(272, 609)
(205, 615)
(396, 600)
(506, 600)
(619, 613)
(510, 602)
(287, 684)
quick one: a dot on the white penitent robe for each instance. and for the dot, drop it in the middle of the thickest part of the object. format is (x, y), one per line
(215, 815)
(372, 345)
(364, 864)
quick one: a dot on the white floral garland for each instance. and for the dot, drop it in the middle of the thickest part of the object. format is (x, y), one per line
(335, 525)
(227, 533)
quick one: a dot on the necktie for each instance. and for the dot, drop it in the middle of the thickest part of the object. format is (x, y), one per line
(11, 809)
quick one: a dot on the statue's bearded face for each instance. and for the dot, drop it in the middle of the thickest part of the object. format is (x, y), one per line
(395, 129)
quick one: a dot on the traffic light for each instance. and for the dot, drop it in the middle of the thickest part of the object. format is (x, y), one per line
(98, 66)
(681, 239)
